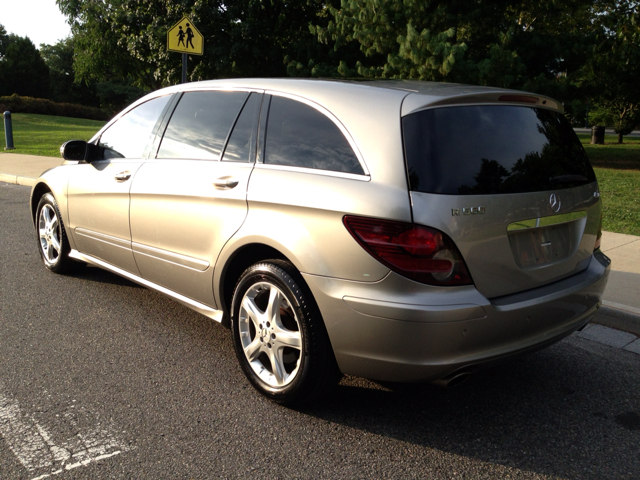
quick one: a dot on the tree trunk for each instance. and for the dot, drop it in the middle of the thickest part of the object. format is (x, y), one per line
(619, 138)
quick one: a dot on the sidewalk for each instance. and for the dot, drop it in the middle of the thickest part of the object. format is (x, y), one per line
(621, 303)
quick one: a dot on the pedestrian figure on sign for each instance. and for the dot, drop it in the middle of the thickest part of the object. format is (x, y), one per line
(190, 36)
(181, 36)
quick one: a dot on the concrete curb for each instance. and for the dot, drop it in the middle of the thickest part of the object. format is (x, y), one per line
(620, 317)
(17, 179)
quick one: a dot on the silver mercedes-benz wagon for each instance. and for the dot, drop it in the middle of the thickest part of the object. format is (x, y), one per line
(399, 231)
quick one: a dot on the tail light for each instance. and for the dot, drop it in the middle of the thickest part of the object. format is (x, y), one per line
(420, 253)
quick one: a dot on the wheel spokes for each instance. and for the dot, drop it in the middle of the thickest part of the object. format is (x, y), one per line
(277, 365)
(252, 351)
(287, 338)
(273, 308)
(252, 311)
(271, 347)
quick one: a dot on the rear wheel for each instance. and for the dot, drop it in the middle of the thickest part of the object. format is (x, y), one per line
(279, 336)
(52, 238)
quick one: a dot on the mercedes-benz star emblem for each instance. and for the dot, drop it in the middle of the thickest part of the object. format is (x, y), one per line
(554, 202)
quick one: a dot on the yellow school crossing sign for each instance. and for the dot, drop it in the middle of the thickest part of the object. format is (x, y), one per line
(184, 37)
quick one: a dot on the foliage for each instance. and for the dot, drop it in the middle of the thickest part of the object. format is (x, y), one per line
(63, 87)
(18, 104)
(22, 69)
(611, 74)
(528, 44)
(126, 39)
(4, 40)
(114, 96)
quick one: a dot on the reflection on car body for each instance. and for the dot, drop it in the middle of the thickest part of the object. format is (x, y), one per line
(400, 231)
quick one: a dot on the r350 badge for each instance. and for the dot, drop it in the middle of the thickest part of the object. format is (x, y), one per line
(455, 212)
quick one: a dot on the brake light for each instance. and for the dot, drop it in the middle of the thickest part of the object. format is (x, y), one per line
(420, 253)
(518, 98)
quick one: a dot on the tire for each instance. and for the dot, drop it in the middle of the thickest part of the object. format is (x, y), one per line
(53, 244)
(285, 352)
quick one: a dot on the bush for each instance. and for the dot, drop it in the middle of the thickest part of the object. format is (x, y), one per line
(17, 104)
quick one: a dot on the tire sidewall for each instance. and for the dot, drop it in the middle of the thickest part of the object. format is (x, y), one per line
(58, 265)
(272, 274)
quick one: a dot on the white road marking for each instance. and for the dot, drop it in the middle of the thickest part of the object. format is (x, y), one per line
(34, 447)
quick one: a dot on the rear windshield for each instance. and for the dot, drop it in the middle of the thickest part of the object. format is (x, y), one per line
(492, 149)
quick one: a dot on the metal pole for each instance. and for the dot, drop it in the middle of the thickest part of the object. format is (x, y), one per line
(184, 68)
(8, 131)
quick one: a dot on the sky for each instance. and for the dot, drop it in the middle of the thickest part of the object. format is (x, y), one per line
(40, 20)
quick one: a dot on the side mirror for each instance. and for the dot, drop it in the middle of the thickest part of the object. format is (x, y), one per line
(74, 150)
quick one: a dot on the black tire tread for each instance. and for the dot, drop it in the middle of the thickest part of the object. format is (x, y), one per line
(323, 372)
(65, 264)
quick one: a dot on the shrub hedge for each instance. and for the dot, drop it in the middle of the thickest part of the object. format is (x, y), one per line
(17, 104)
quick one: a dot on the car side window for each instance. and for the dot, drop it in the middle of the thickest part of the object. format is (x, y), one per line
(200, 125)
(301, 136)
(242, 142)
(129, 135)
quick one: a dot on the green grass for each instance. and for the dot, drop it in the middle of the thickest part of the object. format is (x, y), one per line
(617, 168)
(43, 134)
(620, 193)
(612, 154)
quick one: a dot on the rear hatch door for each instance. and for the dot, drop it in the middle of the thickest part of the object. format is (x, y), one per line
(510, 184)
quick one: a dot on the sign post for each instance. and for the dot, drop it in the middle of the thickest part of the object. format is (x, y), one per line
(185, 38)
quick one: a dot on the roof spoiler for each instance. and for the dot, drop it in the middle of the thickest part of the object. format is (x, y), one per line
(415, 102)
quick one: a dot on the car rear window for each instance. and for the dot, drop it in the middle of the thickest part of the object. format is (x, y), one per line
(299, 135)
(492, 149)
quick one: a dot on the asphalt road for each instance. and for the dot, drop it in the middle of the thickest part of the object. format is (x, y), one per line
(100, 378)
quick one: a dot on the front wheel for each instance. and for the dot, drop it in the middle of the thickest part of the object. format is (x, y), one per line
(279, 336)
(52, 238)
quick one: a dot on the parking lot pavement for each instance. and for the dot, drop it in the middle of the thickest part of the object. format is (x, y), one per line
(96, 369)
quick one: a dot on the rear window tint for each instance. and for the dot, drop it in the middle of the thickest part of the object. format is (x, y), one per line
(301, 136)
(497, 149)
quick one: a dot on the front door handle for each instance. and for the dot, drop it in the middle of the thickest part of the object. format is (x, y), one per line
(123, 176)
(225, 183)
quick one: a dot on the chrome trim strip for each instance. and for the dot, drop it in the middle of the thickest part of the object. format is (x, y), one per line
(170, 257)
(101, 237)
(315, 171)
(545, 221)
(186, 301)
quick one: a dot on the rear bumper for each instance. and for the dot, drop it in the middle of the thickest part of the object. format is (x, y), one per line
(398, 330)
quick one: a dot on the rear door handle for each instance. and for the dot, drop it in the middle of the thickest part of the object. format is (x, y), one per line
(225, 183)
(123, 176)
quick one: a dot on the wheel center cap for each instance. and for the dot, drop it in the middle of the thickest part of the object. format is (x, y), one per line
(264, 333)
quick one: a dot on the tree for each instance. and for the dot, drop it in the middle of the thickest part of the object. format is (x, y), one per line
(22, 69)
(127, 38)
(4, 40)
(63, 87)
(611, 76)
(536, 45)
